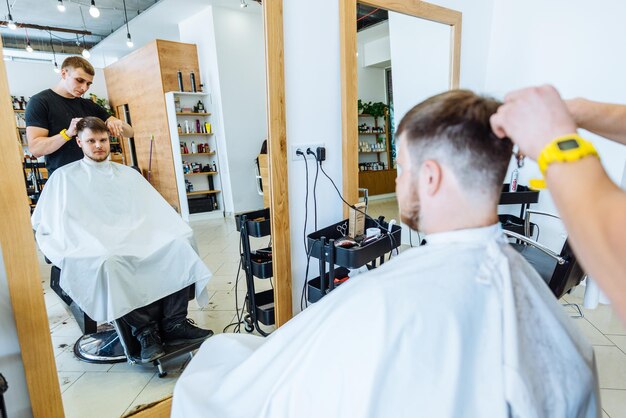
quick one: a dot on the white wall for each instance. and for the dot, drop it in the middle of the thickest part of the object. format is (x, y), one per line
(313, 96)
(372, 79)
(29, 78)
(571, 45)
(232, 58)
(16, 398)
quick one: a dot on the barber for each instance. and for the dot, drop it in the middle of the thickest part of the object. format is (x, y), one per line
(592, 207)
(51, 115)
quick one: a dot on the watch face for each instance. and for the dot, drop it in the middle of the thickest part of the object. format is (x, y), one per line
(568, 144)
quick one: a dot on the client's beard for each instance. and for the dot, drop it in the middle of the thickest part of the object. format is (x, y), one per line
(98, 160)
(411, 215)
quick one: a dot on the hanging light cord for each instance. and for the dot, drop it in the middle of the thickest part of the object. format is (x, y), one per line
(125, 16)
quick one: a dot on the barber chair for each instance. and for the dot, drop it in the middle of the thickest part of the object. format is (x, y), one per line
(561, 271)
(107, 344)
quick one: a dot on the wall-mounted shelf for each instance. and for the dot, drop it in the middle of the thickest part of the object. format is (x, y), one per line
(372, 152)
(198, 192)
(192, 114)
(372, 133)
(205, 173)
(198, 153)
(196, 134)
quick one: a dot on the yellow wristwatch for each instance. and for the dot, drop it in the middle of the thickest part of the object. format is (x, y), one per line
(564, 149)
(64, 135)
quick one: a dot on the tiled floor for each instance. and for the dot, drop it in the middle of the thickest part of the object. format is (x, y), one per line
(111, 390)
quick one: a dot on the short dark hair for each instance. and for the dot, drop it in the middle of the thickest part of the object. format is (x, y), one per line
(78, 62)
(92, 123)
(454, 126)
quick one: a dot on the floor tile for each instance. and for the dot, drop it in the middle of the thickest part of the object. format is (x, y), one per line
(62, 343)
(103, 395)
(227, 269)
(57, 314)
(594, 336)
(225, 300)
(611, 362)
(67, 362)
(67, 379)
(614, 402)
(214, 320)
(605, 320)
(619, 341)
(157, 388)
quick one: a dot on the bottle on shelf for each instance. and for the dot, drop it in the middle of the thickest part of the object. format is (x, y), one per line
(194, 149)
(180, 129)
(214, 166)
(186, 149)
(200, 106)
(197, 126)
(187, 129)
(207, 127)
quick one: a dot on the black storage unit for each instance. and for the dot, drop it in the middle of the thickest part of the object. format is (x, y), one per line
(524, 197)
(322, 246)
(256, 264)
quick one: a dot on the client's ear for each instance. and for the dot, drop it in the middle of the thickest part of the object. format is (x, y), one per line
(430, 177)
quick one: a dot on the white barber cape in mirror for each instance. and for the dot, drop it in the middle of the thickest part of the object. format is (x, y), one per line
(118, 243)
(461, 327)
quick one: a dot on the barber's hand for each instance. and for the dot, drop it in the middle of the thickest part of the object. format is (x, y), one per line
(533, 117)
(71, 131)
(115, 126)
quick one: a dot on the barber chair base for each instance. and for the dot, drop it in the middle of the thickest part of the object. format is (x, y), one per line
(103, 347)
(171, 352)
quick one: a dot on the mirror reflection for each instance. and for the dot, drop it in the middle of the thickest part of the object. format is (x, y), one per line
(401, 61)
(139, 251)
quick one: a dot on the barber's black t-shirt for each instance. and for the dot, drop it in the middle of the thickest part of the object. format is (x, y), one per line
(53, 112)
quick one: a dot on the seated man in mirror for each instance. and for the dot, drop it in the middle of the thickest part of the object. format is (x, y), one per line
(459, 327)
(122, 250)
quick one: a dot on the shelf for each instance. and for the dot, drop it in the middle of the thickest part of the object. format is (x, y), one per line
(197, 192)
(190, 93)
(206, 173)
(192, 114)
(372, 152)
(196, 134)
(372, 133)
(377, 171)
(19, 110)
(199, 153)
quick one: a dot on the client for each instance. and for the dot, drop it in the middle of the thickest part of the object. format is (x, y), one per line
(460, 327)
(122, 250)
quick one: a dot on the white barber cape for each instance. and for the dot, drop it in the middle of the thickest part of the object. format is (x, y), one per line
(118, 243)
(461, 327)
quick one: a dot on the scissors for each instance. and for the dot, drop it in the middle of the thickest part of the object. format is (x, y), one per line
(343, 229)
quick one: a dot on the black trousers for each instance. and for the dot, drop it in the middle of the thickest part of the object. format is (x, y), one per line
(162, 314)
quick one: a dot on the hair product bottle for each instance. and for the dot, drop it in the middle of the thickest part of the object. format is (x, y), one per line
(193, 82)
(180, 81)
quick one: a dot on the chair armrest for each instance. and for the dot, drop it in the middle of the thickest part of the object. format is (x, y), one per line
(535, 244)
(536, 212)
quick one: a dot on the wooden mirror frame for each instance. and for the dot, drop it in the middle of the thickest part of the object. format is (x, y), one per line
(349, 79)
(18, 244)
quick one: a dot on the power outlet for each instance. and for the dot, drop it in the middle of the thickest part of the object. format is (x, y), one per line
(303, 148)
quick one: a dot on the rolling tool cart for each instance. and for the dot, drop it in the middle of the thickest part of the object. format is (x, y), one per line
(260, 306)
(322, 246)
(524, 197)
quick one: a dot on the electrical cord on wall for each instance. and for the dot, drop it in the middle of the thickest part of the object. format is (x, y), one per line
(317, 172)
(237, 324)
(306, 197)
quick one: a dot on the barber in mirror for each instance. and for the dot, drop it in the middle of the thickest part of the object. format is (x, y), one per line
(591, 205)
(52, 114)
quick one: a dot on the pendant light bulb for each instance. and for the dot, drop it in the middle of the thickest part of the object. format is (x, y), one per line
(11, 24)
(85, 53)
(243, 4)
(60, 6)
(129, 41)
(56, 68)
(28, 47)
(93, 10)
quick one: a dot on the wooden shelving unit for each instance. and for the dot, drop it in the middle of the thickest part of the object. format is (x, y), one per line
(205, 185)
(380, 181)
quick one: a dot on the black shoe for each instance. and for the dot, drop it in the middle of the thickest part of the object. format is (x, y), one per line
(185, 332)
(151, 345)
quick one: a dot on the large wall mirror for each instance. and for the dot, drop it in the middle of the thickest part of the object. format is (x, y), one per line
(49, 367)
(394, 55)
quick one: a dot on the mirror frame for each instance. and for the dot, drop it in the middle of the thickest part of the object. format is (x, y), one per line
(18, 244)
(349, 79)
